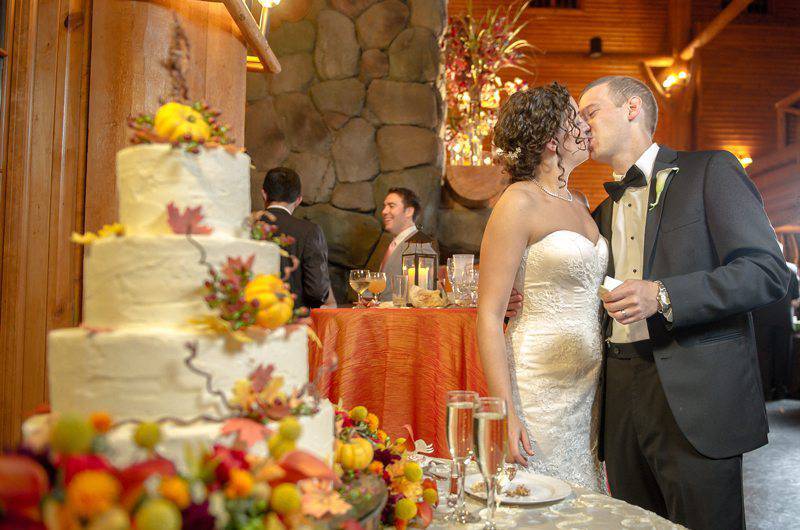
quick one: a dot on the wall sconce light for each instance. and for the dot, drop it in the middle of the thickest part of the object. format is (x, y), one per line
(595, 47)
(675, 79)
(745, 160)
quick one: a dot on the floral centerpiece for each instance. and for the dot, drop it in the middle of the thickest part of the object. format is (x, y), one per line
(476, 50)
(362, 448)
(64, 481)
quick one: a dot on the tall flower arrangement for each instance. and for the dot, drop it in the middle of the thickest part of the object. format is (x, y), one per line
(476, 50)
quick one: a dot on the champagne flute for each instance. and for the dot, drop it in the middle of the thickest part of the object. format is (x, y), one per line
(491, 441)
(460, 442)
(359, 281)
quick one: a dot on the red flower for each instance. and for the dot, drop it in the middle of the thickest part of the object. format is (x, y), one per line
(72, 465)
(228, 459)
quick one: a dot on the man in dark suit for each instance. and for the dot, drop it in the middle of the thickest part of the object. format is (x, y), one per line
(310, 281)
(690, 238)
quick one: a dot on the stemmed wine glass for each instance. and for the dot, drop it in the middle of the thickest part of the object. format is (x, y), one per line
(377, 283)
(491, 440)
(359, 281)
(460, 441)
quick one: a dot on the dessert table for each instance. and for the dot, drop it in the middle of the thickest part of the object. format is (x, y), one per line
(399, 363)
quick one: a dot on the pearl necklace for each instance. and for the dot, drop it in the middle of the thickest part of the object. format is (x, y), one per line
(550, 193)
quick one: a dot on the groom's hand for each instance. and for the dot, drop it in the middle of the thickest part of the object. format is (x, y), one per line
(632, 301)
(514, 304)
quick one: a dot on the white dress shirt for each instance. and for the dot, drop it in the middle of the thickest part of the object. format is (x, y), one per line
(627, 241)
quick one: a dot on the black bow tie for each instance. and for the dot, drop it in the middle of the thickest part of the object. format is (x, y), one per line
(634, 178)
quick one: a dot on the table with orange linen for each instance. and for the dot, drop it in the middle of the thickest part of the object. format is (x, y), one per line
(399, 363)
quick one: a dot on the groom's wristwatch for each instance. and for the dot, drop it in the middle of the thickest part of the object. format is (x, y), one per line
(664, 305)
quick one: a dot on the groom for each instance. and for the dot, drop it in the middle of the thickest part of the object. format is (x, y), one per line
(690, 238)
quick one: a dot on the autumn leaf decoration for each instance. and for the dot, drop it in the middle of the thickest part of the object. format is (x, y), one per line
(188, 222)
(247, 431)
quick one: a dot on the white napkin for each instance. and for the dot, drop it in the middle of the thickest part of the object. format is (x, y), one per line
(609, 284)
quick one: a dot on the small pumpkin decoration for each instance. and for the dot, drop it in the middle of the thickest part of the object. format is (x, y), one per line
(275, 303)
(176, 122)
(355, 454)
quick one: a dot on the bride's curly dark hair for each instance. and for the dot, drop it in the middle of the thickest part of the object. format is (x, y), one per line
(527, 121)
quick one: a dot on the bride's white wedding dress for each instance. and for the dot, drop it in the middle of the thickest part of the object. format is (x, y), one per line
(554, 348)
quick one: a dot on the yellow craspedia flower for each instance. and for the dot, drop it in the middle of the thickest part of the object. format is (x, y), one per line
(372, 421)
(92, 492)
(285, 499)
(175, 489)
(405, 509)
(359, 413)
(431, 496)
(413, 471)
(240, 484)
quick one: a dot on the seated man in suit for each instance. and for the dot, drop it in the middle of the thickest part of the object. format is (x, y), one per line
(310, 281)
(401, 208)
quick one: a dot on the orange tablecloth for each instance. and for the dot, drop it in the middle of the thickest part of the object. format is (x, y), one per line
(399, 363)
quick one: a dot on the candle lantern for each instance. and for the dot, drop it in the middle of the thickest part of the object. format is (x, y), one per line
(420, 262)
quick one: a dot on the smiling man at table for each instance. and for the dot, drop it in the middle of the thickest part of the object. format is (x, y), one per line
(401, 208)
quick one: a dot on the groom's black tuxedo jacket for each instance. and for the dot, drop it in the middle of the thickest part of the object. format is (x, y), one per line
(709, 241)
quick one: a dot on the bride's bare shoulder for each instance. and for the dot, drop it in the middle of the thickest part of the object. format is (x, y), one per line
(517, 195)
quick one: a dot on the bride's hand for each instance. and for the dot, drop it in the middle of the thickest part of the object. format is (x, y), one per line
(517, 433)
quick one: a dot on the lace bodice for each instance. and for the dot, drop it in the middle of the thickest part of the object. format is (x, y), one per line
(555, 352)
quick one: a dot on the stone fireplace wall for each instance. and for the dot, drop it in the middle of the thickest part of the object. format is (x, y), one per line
(356, 110)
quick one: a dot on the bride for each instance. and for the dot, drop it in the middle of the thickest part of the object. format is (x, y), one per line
(545, 245)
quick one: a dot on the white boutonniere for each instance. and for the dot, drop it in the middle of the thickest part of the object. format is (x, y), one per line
(661, 183)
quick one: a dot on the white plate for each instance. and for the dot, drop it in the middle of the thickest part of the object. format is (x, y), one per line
(542, 488)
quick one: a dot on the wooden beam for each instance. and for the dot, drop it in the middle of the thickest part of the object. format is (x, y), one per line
(252, 34)
(656, 61)
(792, 98)
(718, 24)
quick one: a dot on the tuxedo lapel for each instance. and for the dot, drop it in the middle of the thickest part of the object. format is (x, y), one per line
(665, 160)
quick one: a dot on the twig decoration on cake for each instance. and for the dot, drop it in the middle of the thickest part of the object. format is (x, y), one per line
(177, 61)
(192, 347)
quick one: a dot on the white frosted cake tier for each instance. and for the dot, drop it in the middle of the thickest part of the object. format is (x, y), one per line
(316, 437)
(158, 280)
(151, 176)
(140, 373)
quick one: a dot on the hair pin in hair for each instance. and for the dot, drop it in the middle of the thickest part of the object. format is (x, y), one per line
(511, 155)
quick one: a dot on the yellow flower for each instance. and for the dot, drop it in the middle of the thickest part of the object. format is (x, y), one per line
(83, 239)
(397, 469)
(243, 395)
(92, 492)
(240, 484)
(115, 229)
(176, 490)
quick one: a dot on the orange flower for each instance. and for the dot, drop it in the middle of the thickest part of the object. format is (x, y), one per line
(92, 492)
(176, 490)
(382, 436)
(406, 488)
(101, 421)
(372, 421)
(240, 484)
(376, 467)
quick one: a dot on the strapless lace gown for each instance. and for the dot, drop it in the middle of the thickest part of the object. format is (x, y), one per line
(554, 348)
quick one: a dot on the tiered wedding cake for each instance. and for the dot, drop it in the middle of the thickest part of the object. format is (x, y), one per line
(142, 289)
